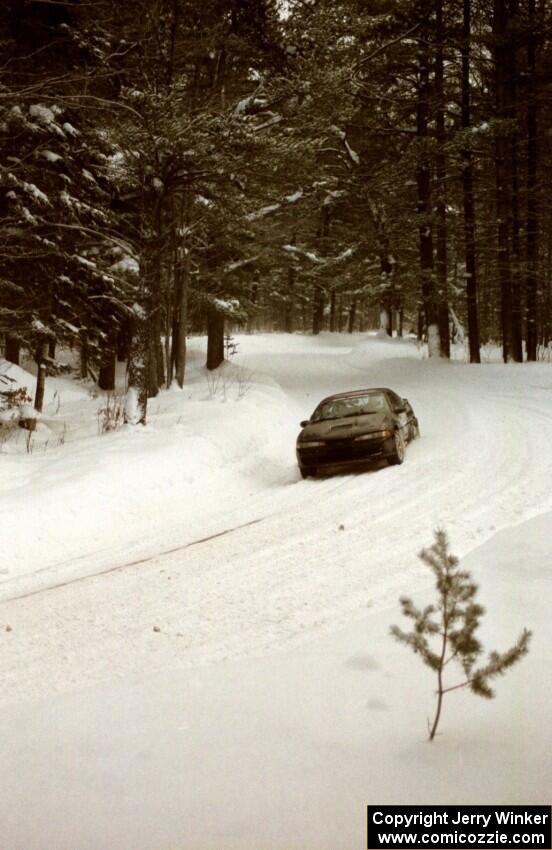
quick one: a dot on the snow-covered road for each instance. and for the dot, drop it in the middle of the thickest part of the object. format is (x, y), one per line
(87, 584)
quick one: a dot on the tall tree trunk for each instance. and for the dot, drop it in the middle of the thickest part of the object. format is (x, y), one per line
(386, 276)
(124, 337)
(319, 297)
(517, 312)
(253, 313)
(41, 350)
(546, 325)
(468, 197)
(215, 339)
(441, 259)
(106, 376)
(184, 268)
(423, 181)
(139, 370)
(182, 322)
(83, 355)
(317, 309)
(290, 299)
(532, 210)
(156, 370)
(387, 268)
(153, 365)
(352, 315)
(332, 311)
(12, 349)
(503, 173)
(169, 324)
(290, 296)
(136, 404)
(143, 367)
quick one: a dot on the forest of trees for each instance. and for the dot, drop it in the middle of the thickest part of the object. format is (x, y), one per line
(169, 166)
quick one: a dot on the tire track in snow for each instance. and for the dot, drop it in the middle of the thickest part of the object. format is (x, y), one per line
(295, 574)
(49, 577)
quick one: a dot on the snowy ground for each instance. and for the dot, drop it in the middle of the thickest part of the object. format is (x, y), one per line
(269, 704)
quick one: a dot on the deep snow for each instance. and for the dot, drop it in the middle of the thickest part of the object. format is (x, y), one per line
(272, 704)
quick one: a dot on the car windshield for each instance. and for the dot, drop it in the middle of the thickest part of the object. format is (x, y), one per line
(354, 406)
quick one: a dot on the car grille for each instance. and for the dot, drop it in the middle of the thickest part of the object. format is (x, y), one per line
(340, 451)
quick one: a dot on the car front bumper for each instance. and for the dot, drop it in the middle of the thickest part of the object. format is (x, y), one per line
(339, 453)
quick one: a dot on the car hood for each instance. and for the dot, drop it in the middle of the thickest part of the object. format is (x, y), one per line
(350, 426)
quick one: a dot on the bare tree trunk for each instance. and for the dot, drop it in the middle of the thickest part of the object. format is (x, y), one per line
(503, 199)
(251, 317)
(532, 210)
(83, 355)
(332, 311)
(182, 320)
(467, 190)
(137, 395)
(289, 306)
(12, 349)
(423, 180)
(420, 325)
(546, 325)
(387, 268)
(290, 298)
(441, 259)
(169, 324)
(124, 337)
(215, 339)
(319, 298)
(153, 365)
(352, 315)
(362, 320)
(184, 262)
(139, 370)
(517, 334)
(317, 309)
(40, 375)
(106, 376)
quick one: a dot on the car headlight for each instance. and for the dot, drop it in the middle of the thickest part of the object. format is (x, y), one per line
(310, 443)
(375, 435)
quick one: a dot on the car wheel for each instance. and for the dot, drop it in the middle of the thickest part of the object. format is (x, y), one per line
(398, 449)
(306, 471)
(414, 430)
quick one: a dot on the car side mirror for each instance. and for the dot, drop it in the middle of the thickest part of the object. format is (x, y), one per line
(304, 423)
(400, 409)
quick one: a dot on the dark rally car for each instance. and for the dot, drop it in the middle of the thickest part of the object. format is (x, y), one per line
(355, 428)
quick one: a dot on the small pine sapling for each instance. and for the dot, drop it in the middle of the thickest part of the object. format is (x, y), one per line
(450, 625)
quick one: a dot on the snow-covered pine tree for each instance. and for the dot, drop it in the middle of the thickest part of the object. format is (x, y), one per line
(445, 631)
(60, 283)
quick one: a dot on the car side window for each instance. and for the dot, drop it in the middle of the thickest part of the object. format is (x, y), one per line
(396, 401)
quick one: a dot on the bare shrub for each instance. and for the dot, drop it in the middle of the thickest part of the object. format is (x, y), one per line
(217, 383)
(111, 415)
(8, 428)
(223, 384)
(244, 381)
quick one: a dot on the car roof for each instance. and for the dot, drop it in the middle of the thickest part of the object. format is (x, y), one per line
(357, 393)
